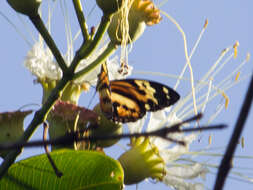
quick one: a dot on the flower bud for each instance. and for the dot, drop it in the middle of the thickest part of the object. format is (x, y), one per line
(66, 117)
(27, 7)
(140, 13)
(11, 127)
(109, 6)
(142, 161)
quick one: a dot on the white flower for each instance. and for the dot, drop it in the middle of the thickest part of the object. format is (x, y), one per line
(182, 165)
(175, 177)
(41, 63)
(177, 173)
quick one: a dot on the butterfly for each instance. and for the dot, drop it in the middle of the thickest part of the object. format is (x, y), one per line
(128, 100)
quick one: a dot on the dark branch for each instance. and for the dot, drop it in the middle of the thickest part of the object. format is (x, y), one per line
(58, 173)
(225, 165)
(75, 136)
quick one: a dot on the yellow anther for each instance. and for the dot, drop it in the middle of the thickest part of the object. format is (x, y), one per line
(236, 48)
(206, 23)
(210, 139)
(226, 99)
(237, 76)
(248, 57)
(242, 142)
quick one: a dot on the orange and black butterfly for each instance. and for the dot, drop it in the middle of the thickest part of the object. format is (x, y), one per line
(128, 100)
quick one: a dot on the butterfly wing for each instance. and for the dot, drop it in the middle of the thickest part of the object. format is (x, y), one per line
(132, 98)
(103, 87)
(128, 100)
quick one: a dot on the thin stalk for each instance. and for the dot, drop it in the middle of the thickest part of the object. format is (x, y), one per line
(38, 23)
(108, 51)
(88, 48)
(81, 19)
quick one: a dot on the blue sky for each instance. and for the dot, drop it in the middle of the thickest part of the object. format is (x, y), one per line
(160, 49)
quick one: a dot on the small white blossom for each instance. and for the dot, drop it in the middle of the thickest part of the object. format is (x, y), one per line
(41, 63)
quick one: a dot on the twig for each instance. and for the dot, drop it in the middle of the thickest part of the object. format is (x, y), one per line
(58, 173)
(38, 23)
(81, 19)
(108, 51)
(87, 49)
(75, 136)
(225, 165)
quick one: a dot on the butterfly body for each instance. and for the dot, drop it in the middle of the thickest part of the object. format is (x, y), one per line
(128, 100)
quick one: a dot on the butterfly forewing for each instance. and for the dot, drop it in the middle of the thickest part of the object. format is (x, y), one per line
(103, 87)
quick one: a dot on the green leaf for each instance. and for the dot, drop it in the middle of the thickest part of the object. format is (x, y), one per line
(81, 170)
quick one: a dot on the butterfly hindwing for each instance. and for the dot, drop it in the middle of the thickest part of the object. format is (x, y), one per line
(128, 100)
(132, 98)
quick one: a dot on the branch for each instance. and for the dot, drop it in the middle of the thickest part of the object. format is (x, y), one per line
(108, 51)
(75, 136)
(38, 23)
(87, 48)
(38, 118)
(81, 19)
(57, 172)
(225, 165)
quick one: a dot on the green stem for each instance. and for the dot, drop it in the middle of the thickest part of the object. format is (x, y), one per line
(41, 114)
(111, 47)
(39, 117)
(85, 50)
(81, 19)
(68, 75)
(38, 23)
